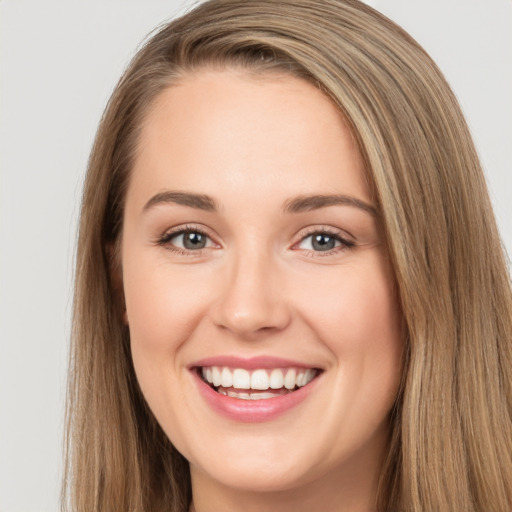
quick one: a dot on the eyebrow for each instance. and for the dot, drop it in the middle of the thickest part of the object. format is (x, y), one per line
(199, 201)
(307, 203)
(295, 205)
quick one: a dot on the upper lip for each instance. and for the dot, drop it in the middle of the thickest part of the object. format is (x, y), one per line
(250, 363)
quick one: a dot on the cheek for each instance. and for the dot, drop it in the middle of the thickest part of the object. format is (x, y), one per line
(355, 313)
(163, 307)
(358, 319)
(357, 304)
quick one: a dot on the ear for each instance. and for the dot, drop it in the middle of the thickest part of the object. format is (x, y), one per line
(113, 252)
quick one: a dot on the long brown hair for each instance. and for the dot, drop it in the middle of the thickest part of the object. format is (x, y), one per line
(451, 439)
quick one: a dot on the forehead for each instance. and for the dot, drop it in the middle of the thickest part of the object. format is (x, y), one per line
(225, 133)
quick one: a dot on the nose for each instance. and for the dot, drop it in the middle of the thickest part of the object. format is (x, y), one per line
(252, 300)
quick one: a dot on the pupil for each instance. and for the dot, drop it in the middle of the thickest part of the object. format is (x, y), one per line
(192, 240)
(322, 242)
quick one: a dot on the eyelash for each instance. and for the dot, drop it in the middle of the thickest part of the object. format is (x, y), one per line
(345, 244)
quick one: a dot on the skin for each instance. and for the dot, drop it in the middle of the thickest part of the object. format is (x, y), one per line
(259, 287)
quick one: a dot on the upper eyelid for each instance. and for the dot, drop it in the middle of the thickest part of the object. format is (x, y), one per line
(311, 230)
(177, 230)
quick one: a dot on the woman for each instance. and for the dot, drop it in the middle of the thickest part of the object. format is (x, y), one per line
(290, 291)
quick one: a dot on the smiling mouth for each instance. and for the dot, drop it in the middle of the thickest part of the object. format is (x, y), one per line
(259, 384)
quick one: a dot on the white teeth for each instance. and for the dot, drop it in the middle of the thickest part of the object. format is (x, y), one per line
(226, 378)
(243, 396)
(276, 379)
(263, 396)
(241, 379)
(207, 374)
(216, 375)
(310, 375)
(261, 379)
(290, 379)
(249, 396)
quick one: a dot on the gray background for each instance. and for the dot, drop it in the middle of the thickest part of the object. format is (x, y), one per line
(59, 60)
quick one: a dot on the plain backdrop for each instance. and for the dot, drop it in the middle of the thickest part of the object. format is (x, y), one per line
(59, 61)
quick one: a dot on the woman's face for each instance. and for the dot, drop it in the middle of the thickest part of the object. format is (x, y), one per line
(252, 258)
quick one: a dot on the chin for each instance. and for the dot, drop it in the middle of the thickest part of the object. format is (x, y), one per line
(260, 476)
(260, 467)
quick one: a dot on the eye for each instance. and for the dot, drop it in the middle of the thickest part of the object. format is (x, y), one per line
(324, 241)
(188, 239)
(319, 242)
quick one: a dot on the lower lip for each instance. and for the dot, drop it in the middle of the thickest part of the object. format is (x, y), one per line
(253, 411)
